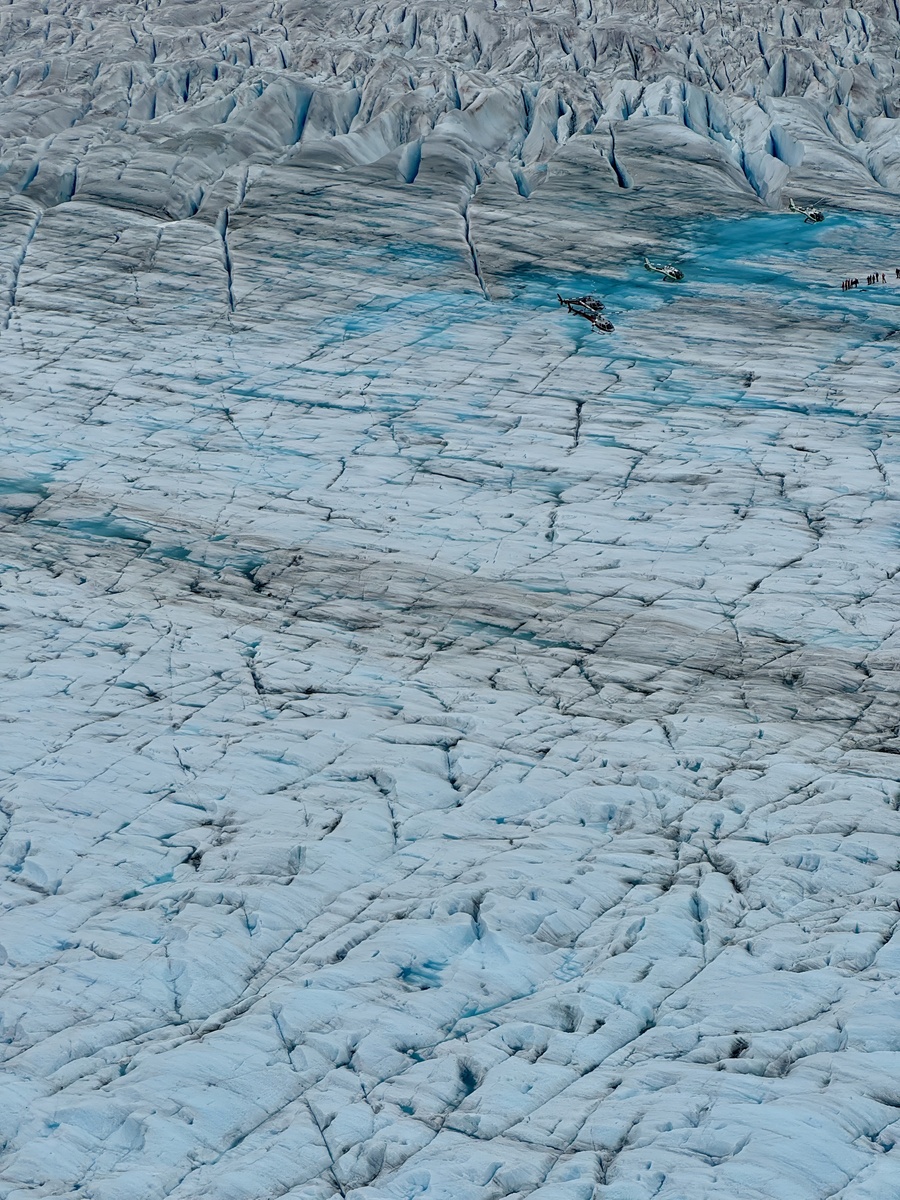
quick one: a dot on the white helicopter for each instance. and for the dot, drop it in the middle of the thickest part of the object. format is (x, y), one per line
(812, 215)
(672, 274)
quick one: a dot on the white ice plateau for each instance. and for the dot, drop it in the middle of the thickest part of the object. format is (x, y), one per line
(449, 752)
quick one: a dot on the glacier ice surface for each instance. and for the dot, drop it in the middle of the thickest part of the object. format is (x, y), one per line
(447, 752)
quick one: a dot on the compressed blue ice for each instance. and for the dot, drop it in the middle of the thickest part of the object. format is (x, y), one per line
(448, 751)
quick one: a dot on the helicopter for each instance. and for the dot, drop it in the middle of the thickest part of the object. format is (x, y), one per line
(668, 272)
(590, 308)
(812, 215)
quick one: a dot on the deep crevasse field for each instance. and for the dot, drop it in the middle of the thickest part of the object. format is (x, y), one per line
(448, 752)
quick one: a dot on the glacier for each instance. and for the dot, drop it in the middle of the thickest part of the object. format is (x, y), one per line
(447, 751)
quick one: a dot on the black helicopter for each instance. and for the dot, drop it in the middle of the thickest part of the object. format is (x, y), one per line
(590, 308)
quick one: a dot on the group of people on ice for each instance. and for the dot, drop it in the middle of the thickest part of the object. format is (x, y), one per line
(875, 277)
